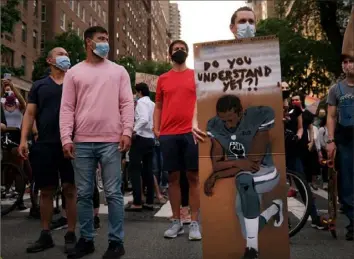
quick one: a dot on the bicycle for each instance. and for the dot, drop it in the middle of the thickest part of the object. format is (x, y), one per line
(11, 173)
(303, 188)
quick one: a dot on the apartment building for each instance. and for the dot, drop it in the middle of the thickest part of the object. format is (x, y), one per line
(159, 33)
(263, 9)
(174, 21)
(23, 45)
(62, 15)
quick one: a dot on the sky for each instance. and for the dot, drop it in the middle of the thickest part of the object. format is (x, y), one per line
(203, 21)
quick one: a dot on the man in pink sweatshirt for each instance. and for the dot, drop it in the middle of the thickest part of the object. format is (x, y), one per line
(96, 123)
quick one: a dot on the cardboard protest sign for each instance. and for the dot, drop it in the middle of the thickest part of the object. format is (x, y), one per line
(242, 163)
(150, 80)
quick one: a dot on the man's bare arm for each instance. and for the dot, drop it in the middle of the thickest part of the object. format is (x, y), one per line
(331, 120)
(28, 121)
(157, 116)
(221, 168)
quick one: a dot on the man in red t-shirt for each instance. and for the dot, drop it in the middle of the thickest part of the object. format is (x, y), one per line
(174, 109)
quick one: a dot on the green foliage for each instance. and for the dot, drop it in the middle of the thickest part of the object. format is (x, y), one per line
(70, 41)
(129, 63)
(148, 67)
(13, 71)
(10, 15)
(303, 63)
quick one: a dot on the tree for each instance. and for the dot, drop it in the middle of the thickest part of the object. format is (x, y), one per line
(10, 15)
(70, 41)
(323, 20)
(303, 64)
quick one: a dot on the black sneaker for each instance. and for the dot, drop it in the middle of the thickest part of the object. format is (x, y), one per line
(96, 222)
(70, 242)
(82, 248)
(115, 250)
(44, 242)
(250, 253)
(59, 224)
(34, 213)
(350, 233)
(316, 223)
(21, 206)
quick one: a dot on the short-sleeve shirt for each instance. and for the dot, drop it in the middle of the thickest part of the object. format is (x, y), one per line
(293, 113)
(46, 94)
(176, 91)
(335, 93)
(237, 142)
(307, 119)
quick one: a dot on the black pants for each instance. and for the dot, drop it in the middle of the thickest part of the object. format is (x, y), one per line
(183, 182)
(141, 152)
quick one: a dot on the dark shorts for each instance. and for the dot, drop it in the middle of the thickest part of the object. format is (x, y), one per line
(179, 152)
(48, 164)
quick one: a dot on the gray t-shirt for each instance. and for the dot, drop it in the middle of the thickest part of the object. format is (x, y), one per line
(237, 142)
(335, 93)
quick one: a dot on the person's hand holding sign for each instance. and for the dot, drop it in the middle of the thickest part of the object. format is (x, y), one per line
(198, 134)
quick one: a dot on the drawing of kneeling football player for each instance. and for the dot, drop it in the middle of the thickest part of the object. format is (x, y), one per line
(241, 147)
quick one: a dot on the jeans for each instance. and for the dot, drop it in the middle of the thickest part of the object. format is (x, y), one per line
(346, 178)
(87, 156)
(161, 176)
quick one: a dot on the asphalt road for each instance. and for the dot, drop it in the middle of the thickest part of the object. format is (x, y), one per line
(144, 238)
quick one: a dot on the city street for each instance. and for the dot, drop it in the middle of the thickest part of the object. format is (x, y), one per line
(144, 238)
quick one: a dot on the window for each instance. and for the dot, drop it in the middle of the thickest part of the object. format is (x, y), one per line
(91, 21)
(95, 5)
(44, 13)
(62, 20)
(104, 16)
(99, 10)
(35, 8)
(7, 58)
(25, 4)
(71, 25)
(35, 39)
(78, 9)
(117, 51)
(91, 3)
(78, 31)
(94, 23)
(83, 14)
(42, 41)
(71, 3)
(23, 63)
(24, 32)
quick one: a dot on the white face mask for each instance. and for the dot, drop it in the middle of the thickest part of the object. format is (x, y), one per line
(245, 30)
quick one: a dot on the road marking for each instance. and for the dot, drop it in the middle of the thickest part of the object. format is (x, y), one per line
(165, 211)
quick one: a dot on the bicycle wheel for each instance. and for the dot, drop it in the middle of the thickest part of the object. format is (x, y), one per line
(299, 206)
(13, 185)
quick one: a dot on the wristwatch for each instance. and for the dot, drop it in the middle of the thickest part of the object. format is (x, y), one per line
(329, 141)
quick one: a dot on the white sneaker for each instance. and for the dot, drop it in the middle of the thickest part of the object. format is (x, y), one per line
(194, 231)
(175, 229)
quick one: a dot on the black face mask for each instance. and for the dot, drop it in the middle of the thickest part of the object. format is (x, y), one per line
(179, 57)
(286, 94)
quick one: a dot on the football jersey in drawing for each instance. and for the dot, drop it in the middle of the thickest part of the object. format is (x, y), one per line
(237, 142)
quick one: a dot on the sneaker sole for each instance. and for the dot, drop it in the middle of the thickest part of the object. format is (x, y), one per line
(174, 236)
(39, 250)
(61, 227)
(194, 238)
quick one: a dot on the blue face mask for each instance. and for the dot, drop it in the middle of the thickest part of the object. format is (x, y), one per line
(102, 49)
(62, 62)
(245, 30)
